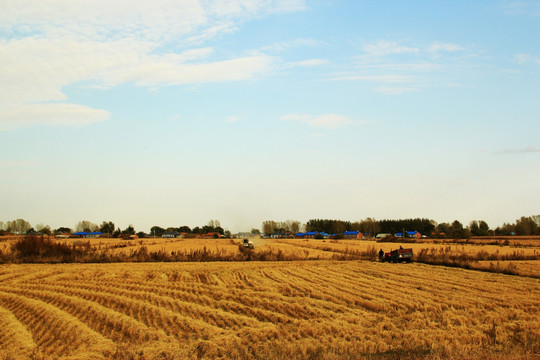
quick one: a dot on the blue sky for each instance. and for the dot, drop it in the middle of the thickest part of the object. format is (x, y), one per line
(173, 113)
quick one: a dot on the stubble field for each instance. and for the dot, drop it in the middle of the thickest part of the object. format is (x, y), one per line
(273, 310)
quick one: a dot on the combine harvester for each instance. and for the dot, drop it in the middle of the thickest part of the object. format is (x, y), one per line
(397, 255)
(248, 244)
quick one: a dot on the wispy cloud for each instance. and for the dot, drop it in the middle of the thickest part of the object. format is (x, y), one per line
(309, 63)
(522, 59)
(523, 7)
(326, 121)
(382, 48)
(526, 150)
(232, 119)
(408, 68)
(14, 117)
(292, 44)
(444, 47)
(47, 46)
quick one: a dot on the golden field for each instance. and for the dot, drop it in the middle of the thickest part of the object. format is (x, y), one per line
(272, 310)
(518, 255)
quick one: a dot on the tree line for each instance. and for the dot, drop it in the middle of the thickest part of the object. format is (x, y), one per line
(23, 227)
(524, 226)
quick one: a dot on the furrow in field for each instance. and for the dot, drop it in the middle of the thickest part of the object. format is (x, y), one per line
(240, 304)
(15, 339)
(50, 327)
(109, 323)
(397, 295)
(179, 324)
(215, 313)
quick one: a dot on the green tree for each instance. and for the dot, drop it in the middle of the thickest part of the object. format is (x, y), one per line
(484, 228)
(474, 228)
(129, 230)
(107, 227)
(62, 230)
(458, 232)
(526, 226)
(184, 229)
(156, 231)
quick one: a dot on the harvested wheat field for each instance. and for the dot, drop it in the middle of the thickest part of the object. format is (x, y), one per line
(271, 310)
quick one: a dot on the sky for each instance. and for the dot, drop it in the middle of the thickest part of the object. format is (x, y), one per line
(174, 113)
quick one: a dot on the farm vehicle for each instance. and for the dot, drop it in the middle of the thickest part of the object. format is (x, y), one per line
(248, 244)
(397, 255)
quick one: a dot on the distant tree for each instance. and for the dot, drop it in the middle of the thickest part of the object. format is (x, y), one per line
(214, 223)
(536, 219)
(2, 225)
(19, 226)
(227, 234)
(328, 226)
(129, 230)
(255, 231)
(484, 228)
(184, 229)
(458, 232)
(44, 229)
(207, 229)
(268, 226)
(442, 230)
(141, 234)
(526, 226)
(62, 230)
(156, 231)
(107, 227)
(196, 230)
(474, 228)
(87, 226)
(219, 230)
(479, 228)
(369, 226)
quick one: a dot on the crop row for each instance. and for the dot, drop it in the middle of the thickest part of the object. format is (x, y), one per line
(274, 310)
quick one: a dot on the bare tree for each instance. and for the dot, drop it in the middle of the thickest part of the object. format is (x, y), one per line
(19, 226)
(214, 223)
(85, 225)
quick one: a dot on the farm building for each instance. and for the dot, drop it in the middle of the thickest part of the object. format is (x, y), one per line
(311, 235)
(414, 234)
(409, 234)
(383, 235)
(84, 234)
(170, 234)
(353, 235)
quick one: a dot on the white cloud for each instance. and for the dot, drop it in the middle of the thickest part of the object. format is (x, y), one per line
(13, 117)
(382, 48)
(232, 119)
(447, 47)
(523, 59)
(310, 62)
(377, 78)
(46, 46)
(523, 7)
(286, 45)
(326, 121)
(412, 67)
